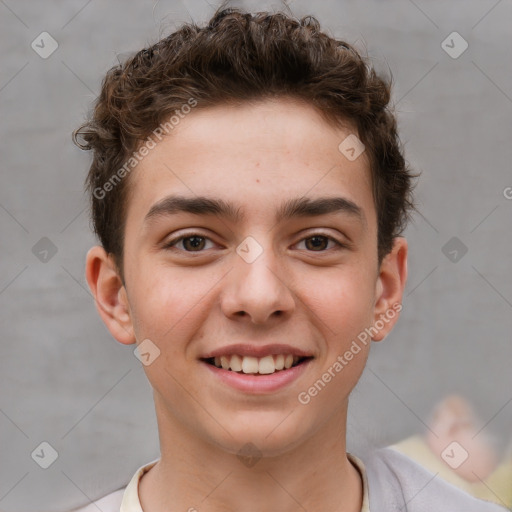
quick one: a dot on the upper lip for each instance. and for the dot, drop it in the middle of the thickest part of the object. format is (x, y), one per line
(245, 349)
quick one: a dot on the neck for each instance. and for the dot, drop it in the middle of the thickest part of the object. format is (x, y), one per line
(196, 475)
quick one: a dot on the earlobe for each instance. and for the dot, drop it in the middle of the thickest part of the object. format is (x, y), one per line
(390, 288)
(109, 294)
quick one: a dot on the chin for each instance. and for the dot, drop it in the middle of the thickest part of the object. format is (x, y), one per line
(261, 439)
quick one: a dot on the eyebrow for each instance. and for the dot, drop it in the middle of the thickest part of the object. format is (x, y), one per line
(298, 207)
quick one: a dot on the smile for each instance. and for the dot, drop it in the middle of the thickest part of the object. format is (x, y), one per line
(256, 365)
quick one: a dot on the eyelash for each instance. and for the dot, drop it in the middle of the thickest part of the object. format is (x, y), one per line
(170, 245)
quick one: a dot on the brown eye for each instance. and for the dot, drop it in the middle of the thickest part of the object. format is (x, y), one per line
(317, 242)
(188, 243)
(193, 243)
(320, 242)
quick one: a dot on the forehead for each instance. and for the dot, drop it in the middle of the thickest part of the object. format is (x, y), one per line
(256, 157)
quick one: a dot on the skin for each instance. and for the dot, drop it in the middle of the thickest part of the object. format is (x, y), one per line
(317, 298)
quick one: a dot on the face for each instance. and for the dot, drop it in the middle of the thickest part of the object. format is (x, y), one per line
(251, 242)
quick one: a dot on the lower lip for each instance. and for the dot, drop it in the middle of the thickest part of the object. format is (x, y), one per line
(250, 383)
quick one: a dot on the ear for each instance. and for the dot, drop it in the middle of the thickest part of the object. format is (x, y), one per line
(389, 288)
(109, 294)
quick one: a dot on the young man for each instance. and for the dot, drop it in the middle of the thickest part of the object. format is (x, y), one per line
(248, 190)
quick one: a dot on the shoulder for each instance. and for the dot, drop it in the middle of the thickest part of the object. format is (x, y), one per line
(109, 503)
(126, 498)
(399, 483)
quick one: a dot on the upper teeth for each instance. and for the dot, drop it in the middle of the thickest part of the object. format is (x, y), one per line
(248, 364)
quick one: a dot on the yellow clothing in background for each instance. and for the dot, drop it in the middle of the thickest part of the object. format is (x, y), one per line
(496, 488)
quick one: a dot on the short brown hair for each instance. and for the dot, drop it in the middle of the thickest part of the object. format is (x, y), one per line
(241, 57)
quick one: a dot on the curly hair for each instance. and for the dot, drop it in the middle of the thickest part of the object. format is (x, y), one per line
(241, 57)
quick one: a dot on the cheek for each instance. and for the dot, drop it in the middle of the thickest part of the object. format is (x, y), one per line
(342, 300)
(168, 310)
(167, 304)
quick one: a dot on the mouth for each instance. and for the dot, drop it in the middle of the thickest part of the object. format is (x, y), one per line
(249, 365)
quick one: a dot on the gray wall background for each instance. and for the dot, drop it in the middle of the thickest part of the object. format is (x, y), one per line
(65, 381)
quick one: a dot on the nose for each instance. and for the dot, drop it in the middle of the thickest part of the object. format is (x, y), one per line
(257, 291)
